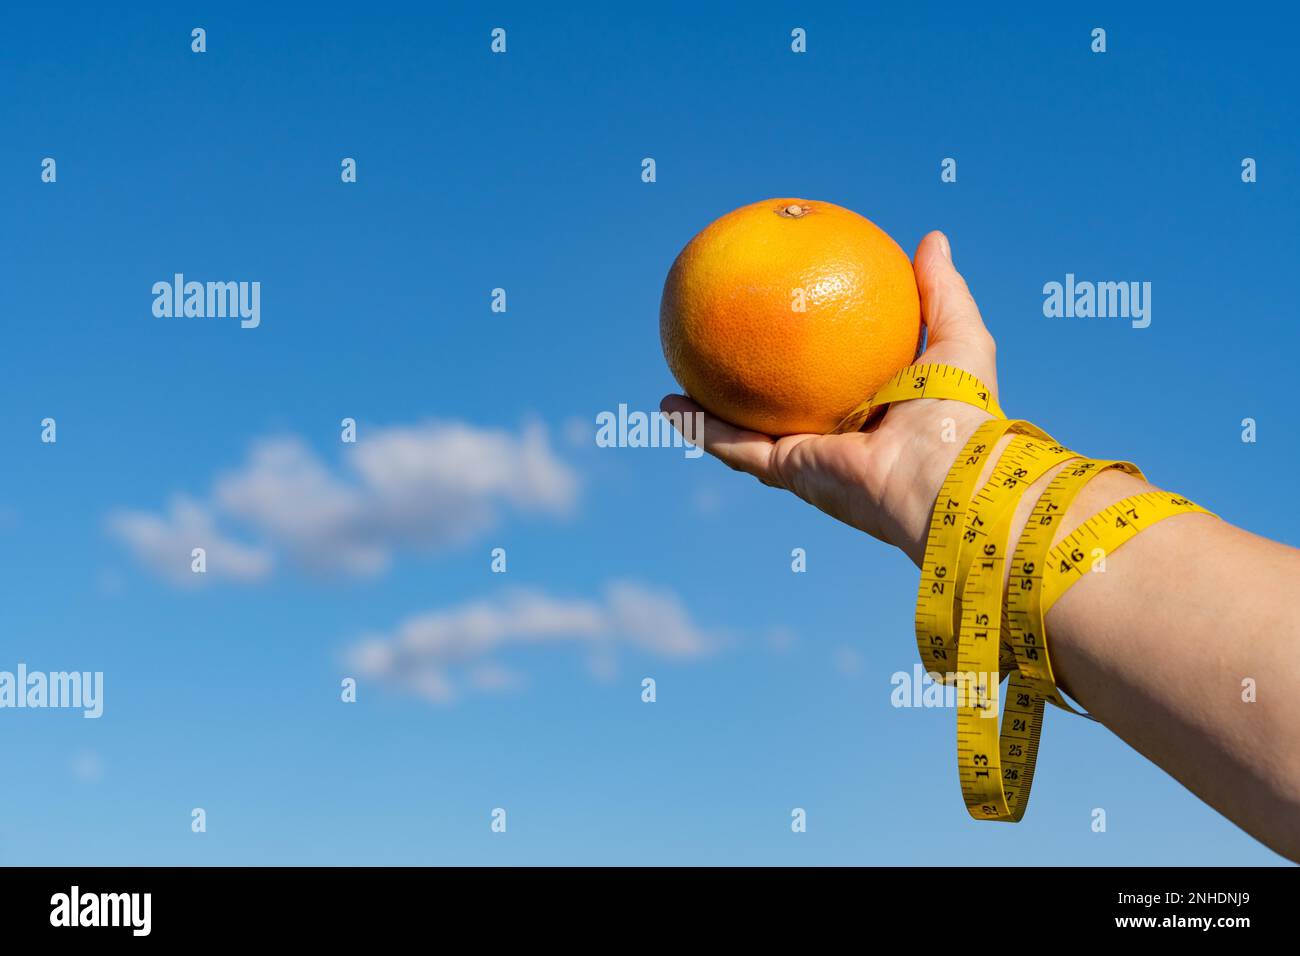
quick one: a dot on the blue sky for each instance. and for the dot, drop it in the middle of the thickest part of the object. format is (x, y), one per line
(522, 171)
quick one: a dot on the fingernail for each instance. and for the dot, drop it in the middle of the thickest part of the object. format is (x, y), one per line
(947, 249)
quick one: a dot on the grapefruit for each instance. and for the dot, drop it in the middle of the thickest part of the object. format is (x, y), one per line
(782, 316)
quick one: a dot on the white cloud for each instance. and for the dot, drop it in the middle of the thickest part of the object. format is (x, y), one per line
(439, 654)
(287, 494)
(426, 487)
(164, 543)
(848, 661)
(88, 767)
(655, 621)
(434, 466)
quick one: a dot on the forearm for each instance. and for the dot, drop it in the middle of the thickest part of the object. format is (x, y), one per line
(1159, 645)
(1162, 647)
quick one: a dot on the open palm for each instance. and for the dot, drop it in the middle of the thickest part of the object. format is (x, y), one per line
(882, 481)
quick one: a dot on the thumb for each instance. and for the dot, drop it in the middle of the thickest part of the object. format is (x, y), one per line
(950, 313)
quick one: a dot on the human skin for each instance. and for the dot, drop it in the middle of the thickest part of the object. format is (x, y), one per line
(1157, 648)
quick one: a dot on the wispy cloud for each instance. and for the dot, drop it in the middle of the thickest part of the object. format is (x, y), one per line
(165, 542)
(88, 767)
(848, 661)
(425, 487)
(441, 655)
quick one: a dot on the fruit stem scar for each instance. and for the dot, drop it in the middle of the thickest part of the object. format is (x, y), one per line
(792, 211)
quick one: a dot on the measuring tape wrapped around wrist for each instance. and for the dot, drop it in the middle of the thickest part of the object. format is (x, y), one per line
(1025, 606)
(931, 380)
(1041, 573)
(968, 557)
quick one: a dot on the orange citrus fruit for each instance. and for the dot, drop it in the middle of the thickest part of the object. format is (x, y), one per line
(782, 316)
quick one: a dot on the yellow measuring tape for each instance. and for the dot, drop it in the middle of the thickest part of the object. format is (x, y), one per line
(924, 381)
(1025, 606)
(995, 766)
(968, 562)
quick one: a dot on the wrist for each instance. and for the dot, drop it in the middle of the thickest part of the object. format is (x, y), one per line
(1100, 493)
(937, 432)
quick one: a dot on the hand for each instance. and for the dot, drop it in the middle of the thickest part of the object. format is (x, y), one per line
(883, 481)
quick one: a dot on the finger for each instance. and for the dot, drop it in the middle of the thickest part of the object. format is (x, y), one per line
(949, 310)
(746, 451)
